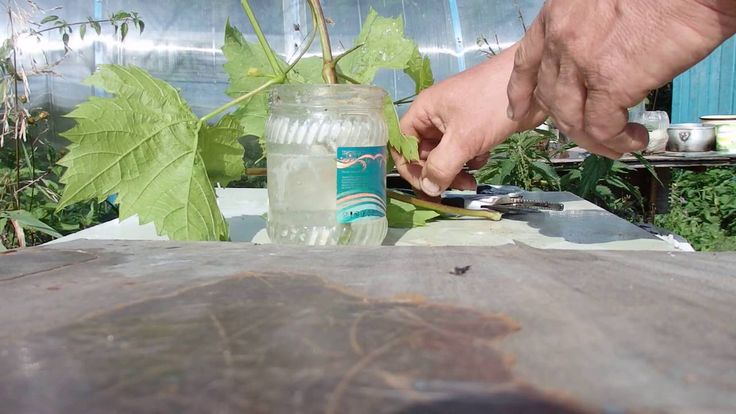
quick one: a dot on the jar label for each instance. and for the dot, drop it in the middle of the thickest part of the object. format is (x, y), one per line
(361, 183)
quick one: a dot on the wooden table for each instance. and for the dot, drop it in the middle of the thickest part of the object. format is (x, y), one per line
(159, 327)
(668, 160)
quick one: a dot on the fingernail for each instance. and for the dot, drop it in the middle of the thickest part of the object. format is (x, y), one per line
(510, 113)
(429, 188)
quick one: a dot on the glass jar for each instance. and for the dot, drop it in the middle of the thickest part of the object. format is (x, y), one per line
(326, 149)
(657, 123)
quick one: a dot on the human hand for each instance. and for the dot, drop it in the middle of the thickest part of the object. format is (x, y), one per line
(585, 62)
(457, 122)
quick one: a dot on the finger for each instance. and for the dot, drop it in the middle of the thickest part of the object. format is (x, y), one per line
(464, 181)
(570, 94)
(479, 161)
(411, 172)
(524, 77)
(608, 124)
(426, 147)
(444, 164)
(585, 142)
(418, 123)
(545, 94)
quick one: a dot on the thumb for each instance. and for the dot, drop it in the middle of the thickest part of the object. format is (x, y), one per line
(443, 164)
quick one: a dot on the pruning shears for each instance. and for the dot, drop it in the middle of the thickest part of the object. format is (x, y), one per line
(508, 200)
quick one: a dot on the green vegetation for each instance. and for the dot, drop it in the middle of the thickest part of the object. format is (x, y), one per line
(703, 208)
(146, 145)
(29, 201)
(30, 192)
(524, 161)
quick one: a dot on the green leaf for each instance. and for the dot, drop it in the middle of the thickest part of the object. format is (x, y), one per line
(253, 115)
(603, 192)
(648, 166)
(82, 31)
(65, 39)
(407, 146)
(594, 168)
(221, 151)
(419, 69)
(123, 31)
(3, 223)
(405, 216)
(384, 47)
(141, 26)
(308, 70)
(27, 221)
(121, 15)
(507, 167)
(96, 26)
(247, 64)
(49, 19)
(547, 172)
(5, 50)
(142, 144)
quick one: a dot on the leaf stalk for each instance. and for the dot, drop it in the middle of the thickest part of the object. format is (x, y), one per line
(277, 70)
(443, 209)
(274, 81)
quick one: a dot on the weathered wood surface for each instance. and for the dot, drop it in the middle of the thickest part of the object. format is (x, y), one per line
(161, 327)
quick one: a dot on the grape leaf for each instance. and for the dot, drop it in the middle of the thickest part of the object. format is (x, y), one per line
(248, 68)
(221, 151)
(403, 215)
(384, 46)
(308, 71)
(247, 64)
(419, 69)
(253, 115)
(405, 145)
(143, 145)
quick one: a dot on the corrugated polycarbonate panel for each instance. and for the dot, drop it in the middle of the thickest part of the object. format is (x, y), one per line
(182, 40)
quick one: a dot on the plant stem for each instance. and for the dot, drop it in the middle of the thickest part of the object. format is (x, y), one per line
(304, 48)
(19, 233)
(328, 71)
(256, 172)
(38, 32)
(249, 95)
(16, 107)
(347, 52)
(441, 208)
(408, 99)
(347, 78)
(277, 70)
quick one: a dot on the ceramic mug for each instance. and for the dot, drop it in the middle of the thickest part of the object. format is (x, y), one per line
(725, 131)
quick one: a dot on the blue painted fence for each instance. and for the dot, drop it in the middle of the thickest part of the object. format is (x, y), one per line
(709, 88)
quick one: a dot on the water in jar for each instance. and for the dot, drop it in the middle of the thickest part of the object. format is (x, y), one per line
(302, 144)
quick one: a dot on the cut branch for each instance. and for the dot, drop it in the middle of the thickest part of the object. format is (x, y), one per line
(328, 70)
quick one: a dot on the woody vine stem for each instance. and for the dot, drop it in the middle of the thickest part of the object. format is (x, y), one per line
(330, 76)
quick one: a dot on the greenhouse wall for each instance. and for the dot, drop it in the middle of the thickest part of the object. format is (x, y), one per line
(708, 88)
(182, 40)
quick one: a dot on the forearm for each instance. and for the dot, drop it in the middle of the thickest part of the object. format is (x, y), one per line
(497, 72)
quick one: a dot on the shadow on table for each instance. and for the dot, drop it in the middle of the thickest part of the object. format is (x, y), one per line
(510, 402)
(552, 197)
(584, 226)
(394, 236)
(245, 228)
